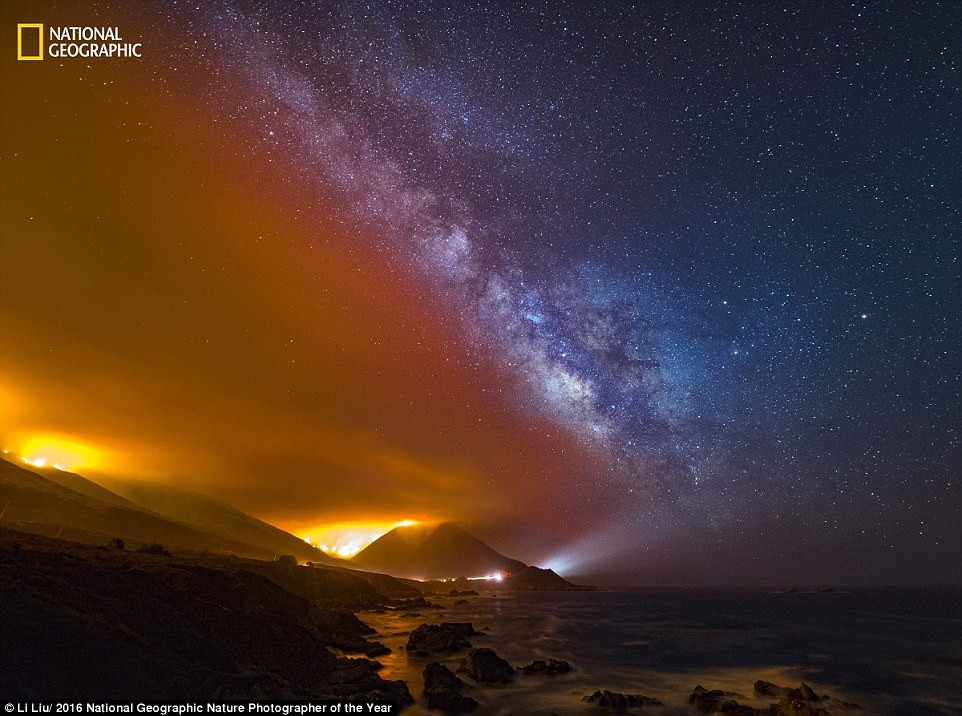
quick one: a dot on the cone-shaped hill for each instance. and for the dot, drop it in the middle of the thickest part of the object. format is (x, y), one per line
(437, 552)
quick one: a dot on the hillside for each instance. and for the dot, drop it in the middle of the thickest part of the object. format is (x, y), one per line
(31, 502)
(218, 518)
(434, 552)
(83, 485)
(84, 622)
(536, 579)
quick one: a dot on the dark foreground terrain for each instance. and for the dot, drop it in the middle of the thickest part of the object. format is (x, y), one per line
(86, 622)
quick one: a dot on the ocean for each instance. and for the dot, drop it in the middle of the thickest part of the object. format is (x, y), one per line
(890, 650)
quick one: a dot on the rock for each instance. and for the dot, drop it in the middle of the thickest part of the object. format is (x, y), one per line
(358, 678)
(377, 649)
(442, 687)
(802, 693)
(463, 593)
(487, 667)
(799, 702)
(180, 627)
(768, 689)
(711, 701)
(795, 707)
(462, 628)
(434, 638)
(620, 702)
(410, 605)
(547, 668)
(542, 580)
(438, 676)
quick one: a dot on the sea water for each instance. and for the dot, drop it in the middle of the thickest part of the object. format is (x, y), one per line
(893, 651)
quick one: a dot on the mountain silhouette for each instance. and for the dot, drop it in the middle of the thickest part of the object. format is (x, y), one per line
(434, 552)
(61, 504)
(219, 518)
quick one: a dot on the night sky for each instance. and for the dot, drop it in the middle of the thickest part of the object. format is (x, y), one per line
(662, 293)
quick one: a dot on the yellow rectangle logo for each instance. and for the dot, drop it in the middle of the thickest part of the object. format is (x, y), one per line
(30, 41)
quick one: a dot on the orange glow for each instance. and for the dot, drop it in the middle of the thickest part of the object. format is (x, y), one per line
(346, 539)
(59, 452)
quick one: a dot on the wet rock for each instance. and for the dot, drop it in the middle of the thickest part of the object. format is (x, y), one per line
(377, 649)
(358, 678)
(802, 701)
(765, 689)
(442, 688)
(547, 668)
(620, 702)
(487, 667)
(435, 638)
(711, 701)
(462, 628)
(802, 693)
(463, 593)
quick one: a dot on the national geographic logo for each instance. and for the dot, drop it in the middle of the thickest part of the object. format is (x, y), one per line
(72, 41)
(30, 41)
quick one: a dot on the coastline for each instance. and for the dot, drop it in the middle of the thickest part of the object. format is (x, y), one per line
(120, 624)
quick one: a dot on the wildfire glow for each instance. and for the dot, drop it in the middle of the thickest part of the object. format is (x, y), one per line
(59, 453)
(346, 539)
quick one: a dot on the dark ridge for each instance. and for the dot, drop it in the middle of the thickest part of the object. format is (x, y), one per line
(84, 622)
(436, 552)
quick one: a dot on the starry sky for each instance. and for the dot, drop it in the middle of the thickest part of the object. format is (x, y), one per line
(658, 293)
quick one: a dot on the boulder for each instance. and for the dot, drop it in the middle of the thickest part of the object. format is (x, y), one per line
(802, 693)
(620, 702)
(462, 628)
(546, 668)
(798, 702)
(715, 700)
(487, 667)
(442, 688)
(377, 649)
(435, 638)
(768, 689)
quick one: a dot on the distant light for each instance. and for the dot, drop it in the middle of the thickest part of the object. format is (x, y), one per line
(346, 539)
(58, 452)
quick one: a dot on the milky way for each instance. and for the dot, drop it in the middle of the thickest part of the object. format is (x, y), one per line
(682, 230)
(718, 244)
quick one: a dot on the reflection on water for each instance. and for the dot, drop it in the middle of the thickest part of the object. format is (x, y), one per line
(894, 651)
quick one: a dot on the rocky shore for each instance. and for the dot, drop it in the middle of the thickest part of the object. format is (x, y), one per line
(85, 622)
